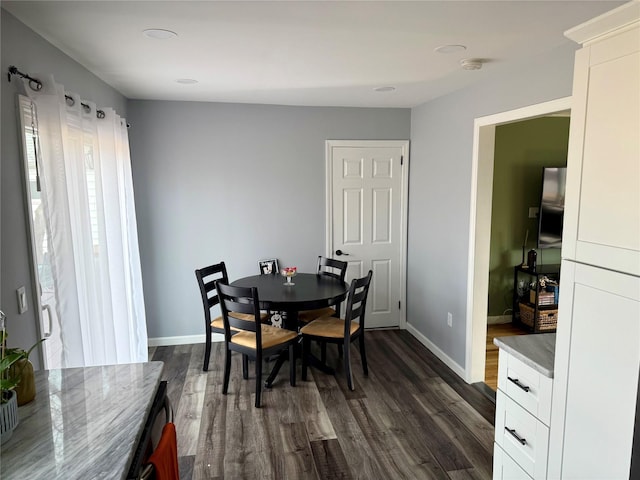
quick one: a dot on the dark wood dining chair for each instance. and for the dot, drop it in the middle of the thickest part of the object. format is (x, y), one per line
(329, 267)
(207, 277)
(252, 338)
(342, 332)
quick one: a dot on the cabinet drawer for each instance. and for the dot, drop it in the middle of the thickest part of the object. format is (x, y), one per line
(526, 386)
(522, 436)
(505, 468)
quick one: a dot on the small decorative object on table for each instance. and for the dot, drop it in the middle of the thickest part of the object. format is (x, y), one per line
(268, 266)
(289, 273)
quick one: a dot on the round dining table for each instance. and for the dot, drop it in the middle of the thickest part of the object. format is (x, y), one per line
(308, 291)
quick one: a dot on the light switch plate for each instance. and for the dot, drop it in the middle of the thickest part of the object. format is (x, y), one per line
(22, 300)
(533, 212)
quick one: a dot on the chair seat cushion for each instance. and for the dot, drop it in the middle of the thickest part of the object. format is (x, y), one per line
(271, 336)
(218, 323)
(329, 327)
(307, 316)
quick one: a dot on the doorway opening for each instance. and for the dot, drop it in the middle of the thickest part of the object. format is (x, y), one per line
(480, 227)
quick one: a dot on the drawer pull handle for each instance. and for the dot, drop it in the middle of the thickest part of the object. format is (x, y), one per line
(517, 382)
(516, 436)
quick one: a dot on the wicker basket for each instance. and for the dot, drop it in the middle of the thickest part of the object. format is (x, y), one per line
(547, 319)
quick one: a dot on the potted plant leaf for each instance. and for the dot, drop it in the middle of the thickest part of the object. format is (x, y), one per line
(16, 373)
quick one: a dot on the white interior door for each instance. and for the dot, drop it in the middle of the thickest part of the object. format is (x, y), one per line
(367, 220)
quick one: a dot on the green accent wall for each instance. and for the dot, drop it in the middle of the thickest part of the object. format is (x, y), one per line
(521, 150)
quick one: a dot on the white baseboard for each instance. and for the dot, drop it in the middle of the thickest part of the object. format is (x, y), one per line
(499, 319)
(182, 340)
(448, 361)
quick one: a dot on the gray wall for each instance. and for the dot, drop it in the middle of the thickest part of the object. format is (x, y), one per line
(236, 183)
(31, 54)
(440, 182)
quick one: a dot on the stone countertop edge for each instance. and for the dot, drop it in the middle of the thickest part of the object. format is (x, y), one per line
(537, 351)
(84, 422)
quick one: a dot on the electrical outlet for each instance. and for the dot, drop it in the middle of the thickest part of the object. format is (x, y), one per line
(22, 300)
(449, 319)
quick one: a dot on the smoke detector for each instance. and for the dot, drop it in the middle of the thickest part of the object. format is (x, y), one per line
(471, 64)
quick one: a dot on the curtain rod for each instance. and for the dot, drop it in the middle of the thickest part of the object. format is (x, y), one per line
(71, 102)
(14, 71)
(38, 86)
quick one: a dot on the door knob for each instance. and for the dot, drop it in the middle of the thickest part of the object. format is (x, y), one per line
(340, 252)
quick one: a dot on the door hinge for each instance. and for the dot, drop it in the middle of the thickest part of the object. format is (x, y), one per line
(401, 159)
(399, 305)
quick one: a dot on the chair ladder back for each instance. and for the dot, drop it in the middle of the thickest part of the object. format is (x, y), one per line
(240, 300)
(357, 302)
(245, 325)
(207, 278)
(332, 268)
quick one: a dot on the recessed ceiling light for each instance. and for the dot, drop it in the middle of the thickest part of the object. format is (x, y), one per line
(159, 33)
(186, 81)
(450, 49)
(388, 88)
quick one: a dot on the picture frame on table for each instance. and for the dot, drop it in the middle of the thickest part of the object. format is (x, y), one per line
(269, 266)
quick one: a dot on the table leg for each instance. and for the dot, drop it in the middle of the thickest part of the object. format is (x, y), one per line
(317, 363)
(276, 368)
(290, 322)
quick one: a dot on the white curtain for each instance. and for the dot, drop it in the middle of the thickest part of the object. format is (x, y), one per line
(87, 198)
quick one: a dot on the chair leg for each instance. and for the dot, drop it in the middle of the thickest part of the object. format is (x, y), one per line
(363, 355)
(245, 366)
(227, 370)
(292, 365)
(323, 352)
(306, 343)
(347, 365)
(207, 351)
(258, 380)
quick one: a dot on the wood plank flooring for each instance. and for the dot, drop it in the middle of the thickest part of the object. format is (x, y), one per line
(412, 417)
(491, 362)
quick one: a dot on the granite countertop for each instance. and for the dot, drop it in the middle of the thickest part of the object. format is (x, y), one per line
(537, 351)
(83, 423)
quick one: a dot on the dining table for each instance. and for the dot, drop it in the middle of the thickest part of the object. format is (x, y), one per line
(306, 291)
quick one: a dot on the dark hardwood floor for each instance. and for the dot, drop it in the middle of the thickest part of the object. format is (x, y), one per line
(412, 417)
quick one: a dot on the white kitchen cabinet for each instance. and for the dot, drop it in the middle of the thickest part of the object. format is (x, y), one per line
(597, 356)
(596, 374)
(602, 206)
(525, 385)
(505, 467)
(523, 406)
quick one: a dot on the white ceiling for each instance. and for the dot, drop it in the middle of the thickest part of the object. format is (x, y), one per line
(300, 53)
